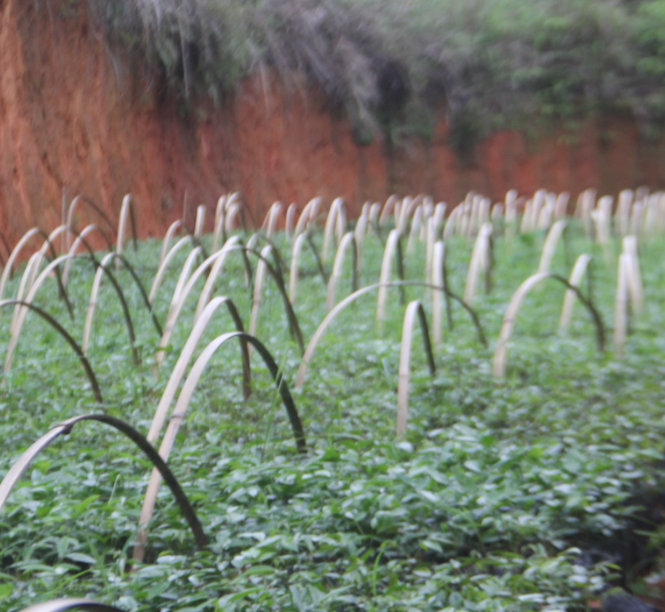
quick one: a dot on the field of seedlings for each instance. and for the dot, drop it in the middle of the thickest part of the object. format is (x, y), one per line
(419, 410)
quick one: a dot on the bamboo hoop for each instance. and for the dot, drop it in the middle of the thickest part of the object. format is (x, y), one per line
(24, 461)
(414, 309)
(549, 248)
(479, 261)
(329, 318)
(200, 220)
(179, 413)
(576, 276)
(391, 251)
(621, 306)
(499, 365)
(163, 266)
(347, 241)
(186, 355)
(62, 605)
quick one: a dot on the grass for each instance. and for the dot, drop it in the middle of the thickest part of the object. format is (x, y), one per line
(523, 494)
(391, 65)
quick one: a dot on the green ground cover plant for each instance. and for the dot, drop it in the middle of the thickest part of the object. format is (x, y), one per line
(534, 492)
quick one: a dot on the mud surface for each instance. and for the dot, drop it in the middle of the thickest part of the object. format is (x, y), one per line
(78, 117)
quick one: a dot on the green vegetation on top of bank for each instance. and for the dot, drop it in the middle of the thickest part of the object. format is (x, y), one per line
(390, 65)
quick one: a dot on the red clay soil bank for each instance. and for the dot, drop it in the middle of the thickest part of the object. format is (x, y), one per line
(77, 117)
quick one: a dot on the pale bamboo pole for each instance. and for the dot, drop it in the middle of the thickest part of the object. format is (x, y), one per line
(183, 361)
(199, 223)
(122, 226)
(163, 266)
(576, 276)
(438, 263)
(551, 242)
(271, 218)
(290, 220)
(348, 241)
(331, 228)
(73, 250)
(92, 303)
(258, 285)
(173, 228)
(387, 210)
(177, 305)
(308, 215)
(20, 312)
(416, 224)
(389, 253)
(561, 206)
(220, 221)
(511, 213)
(13, 257)
(215, 270)
(634, 275)
(374, 215)
(622, 214)
(479, 261)
(636, 218)
(453, 221)
(185, 273)
(621, 305)
(295, 259)
(526, 224)
(232, 213)
(413, 310)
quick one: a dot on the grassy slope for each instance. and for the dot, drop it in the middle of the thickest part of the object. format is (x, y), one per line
(503, 496)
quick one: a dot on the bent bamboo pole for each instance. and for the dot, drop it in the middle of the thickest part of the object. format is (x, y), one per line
(295, 259)
(438, 280)
(21, 312)
(387, 210)
(335, 219)
(348, 241)
(414, 309)
(174, 312)
(329, 318)
(499, 364)
(290, 220)
(63, 605)
(479, 261)
(181, 408)
(634, 275)
(308, 215)
(575, 279)
(24, 461)
(173, 228)
(258, 285)
(220, 221)
(14, 255)
(391, 251)
(66, 335)
(185, 273)
(122, 225)
(73, 250)
(199, 223)
(621, 305)
(163, 265)
(215, 270)
(186, 355)
(549, 248)
(92, 305)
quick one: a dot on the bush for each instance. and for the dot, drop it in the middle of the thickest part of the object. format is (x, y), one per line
(389, 63)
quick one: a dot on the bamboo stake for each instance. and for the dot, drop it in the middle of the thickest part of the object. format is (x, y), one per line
(438, 280)
(621, 306)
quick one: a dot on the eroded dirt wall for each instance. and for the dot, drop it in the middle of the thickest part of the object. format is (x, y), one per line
(77, 117)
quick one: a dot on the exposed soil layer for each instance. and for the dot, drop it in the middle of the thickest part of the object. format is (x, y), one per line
(78, 117)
